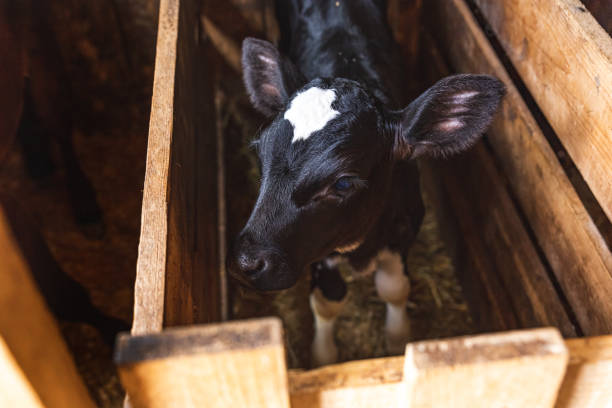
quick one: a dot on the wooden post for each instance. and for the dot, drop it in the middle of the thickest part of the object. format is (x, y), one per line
(29, 332)
(238, 364)
(588, 381)
(511, 370)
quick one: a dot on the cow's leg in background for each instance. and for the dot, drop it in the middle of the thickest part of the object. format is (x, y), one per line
(393, 286)
(327, 298)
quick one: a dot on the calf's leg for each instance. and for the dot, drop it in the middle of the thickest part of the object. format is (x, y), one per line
(393, 286)
(327, 298)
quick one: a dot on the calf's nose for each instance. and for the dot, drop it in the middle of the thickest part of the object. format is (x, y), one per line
(252, 264)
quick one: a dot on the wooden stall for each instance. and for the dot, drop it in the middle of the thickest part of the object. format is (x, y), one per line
(526, 216)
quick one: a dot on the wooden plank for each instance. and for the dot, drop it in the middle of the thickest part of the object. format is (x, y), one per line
(178, 256)
(30, 333)
(238, 364)
(511, 369)
(192, 270)
(356, 384)
(602, 11)
(485, 212)
(588, 381)
(151, 264)
(565, 58)
(15, 390)
(568, 237)
(513, 273)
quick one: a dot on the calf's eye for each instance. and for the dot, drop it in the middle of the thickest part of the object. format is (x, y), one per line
(343, 184)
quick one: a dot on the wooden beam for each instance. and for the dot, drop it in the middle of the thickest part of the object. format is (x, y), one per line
(16, 390)
(511, 369)
(568, 237)
(588, 381)
(356, 384)
(29, 332)
(565, 58)
(238, 364)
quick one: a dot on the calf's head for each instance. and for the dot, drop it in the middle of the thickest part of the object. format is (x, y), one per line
(327, 157)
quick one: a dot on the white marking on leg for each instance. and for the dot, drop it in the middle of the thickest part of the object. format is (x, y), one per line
(393, 287)
(325, 311)
(310, 111)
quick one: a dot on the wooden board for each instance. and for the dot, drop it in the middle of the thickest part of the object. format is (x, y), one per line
(15, 390)
(588, 381)
(178, 256)
(238, 364)
(568, 237)
(512, 369)
(565, 58)
(503, 256)
(469, 193)
(356, 384)
(29, 332)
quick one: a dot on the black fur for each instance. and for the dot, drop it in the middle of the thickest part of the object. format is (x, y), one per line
(300, 217)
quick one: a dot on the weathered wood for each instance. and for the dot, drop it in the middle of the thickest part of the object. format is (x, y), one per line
(192, 273)
(588, 381)
(357, 384)
(565, 58)
(151, 264)
(475, 196)
(238, 364)
(178, 256)
(512, 369)
(15, 390)
(30, 333)
(568, 237)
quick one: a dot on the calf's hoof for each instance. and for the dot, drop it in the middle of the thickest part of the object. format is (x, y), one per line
(397, 329)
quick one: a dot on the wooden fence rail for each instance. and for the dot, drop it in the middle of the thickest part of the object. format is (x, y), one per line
(243, 364)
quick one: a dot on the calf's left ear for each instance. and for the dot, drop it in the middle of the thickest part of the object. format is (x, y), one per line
(269, 77)
(448, 118)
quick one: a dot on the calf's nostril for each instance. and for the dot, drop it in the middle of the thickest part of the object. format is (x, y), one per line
(251, 267)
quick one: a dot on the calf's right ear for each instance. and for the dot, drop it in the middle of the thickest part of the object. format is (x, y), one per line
(448, 118)
(269, 77)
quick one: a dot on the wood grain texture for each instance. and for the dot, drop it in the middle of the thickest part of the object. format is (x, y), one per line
(513, 269)
(30, 333)
(192, 273)
(15, 390)
(356, 384)
(565, 58)
(469, 189)
(177, 280)
(588, 381)
(239, 364)
(512, 369)
(568, 237)
(151, 264)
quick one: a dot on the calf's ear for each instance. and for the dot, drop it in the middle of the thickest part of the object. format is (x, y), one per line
(269, 77)
(448, 118)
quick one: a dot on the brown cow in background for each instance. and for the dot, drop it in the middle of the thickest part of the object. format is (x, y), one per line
(35, 104)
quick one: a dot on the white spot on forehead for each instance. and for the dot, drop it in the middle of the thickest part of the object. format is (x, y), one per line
(310, 111)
